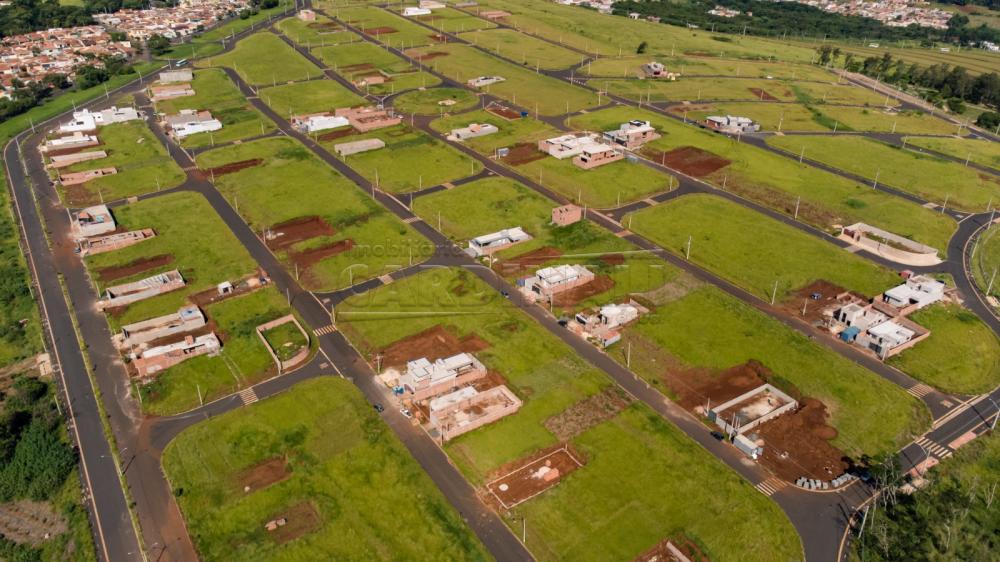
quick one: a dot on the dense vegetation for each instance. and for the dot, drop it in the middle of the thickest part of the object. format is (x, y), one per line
(792, 19)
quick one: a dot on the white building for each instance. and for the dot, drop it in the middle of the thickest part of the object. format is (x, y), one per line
(487, 244)
(919, 290)
(732, 124)
(886, 336)
(412, 11)
(474, 130)
(314, 122)
(424, 379)
(616, 315)
(481, 81)
(568, 146)
(176, 76)
(550, 281)
(190, 122)
(115, 114)
(83, 122)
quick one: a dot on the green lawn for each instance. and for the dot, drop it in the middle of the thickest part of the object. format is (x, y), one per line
(929, 177)
(778, 182)
(754, 251)
(522, 87)
(243, 361)
(183, 222)
(878, 120)
(688, 66)
(595, 513)
(510, 133)
(309, 97)
(985, 261)
(771, 116)
(711, 331)
(492, 204)
(734, 89)
(341, 459)
(142, 162)
(263, 58)
(451, 20)
(286, 340)
(529, 51)
(979, 151)
(215, 92)
(425, 102)
(355, 61)
(608, 186)
(373, 21)
(292, 183)
(962, 355)
(311, 33)
(410, 160)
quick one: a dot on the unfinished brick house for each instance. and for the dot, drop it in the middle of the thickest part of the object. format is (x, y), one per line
(116, 241)
(467, 409)
(187, 319)
(366, 119)
(597, 155)
(76, 178)
(63, 160)
(92, 221)
(156, 359)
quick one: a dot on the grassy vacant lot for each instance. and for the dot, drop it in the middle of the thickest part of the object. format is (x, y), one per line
(340, 459)
(707, 66)
(183, 222)
(979, 151)
(522, 87)
(929, 177)
(962, 355)
(734, 89)
(310, 34)
(754, 251)
(425, 102)
(708, 329)
(608, 186)
(607, 509)
(451, 20)
(386, 26)
(292, 183)
(215, 92)
(510, 132)
(309, 97)
(529, 51)
(778, 182)
(286, 340)
(985, 260)
(355, 61)
(243, 362)
(410, 160)
(878, 120)
(492, 204)
(263, 58)
(142, 162)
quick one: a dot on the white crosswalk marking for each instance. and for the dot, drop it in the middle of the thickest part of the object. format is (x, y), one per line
(411, 220)
(935, 449)
(385, 279)
(248, 396)
(919, 390)
(326, 330)
(770, 486)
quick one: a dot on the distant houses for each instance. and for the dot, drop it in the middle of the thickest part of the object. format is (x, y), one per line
(366, 119)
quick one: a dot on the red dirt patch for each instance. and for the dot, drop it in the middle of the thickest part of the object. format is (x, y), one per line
(234, 167)
(814, 308)
(762, 94)
(431, 55)
(263, 474)
(296, 230)
(308, 258)
(527, 260)
(433, 343)
(504, 112)
(522, 153)
(379, 30)
(600, 284)
(300, 519)
(613, 259)
(326, 26)
(689, 160)
(336, 134)
(797, 444)
(520, 482)
(134, 267)
(438, 37)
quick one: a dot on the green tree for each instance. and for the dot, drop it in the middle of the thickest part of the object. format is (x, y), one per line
(641, 49)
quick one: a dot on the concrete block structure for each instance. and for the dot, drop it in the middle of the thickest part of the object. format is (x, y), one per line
(473, 130)
(128, 293)
(483, 81)
(748, 410)
(731, 124)
(917, 292)
(488, 244)
(603, 327)
(156, 359)
(76, 178)
(597, 155)
(424, 379)
(314, 122)
(879, 326)
(64, 160)
(355, 147)
(566, 215)
(889, 245)
(567, 146)
(69, 143)
(92, 221)
(633, 134)
(892, 336)
(191, 122)
(160, 92)
(468, 409)
(300, 356)
(176, 76)
(366, 119)
(187, 319)
(114, 241)
(412, 11)
(550, 281)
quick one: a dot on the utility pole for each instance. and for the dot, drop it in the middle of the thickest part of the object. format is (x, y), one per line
(687, 252)
(797, 201)
(875, 183)
(774, 292)
(945, 206)
(993, 277)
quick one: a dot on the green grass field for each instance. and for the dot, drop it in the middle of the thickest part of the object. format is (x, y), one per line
(529, 51)
(142, 162)
(778, 182)
(356, 61)
(426, 102)
(877, 120)
(411, 160)
(492, 204)
(286, 340)
(984, 152)
(592, 514)
(510, 133)
(708, 329)
(688, 66)
(962, 355)
(311, 34)
(341, 459)
(522, 87)
(309, 97)
(734, 89)
(929, 177)
(264, 59)
(216, 92)
(292, 183)
(451, 20)
(778, 117)
(373, 21)
(754, 251)
(985, 261)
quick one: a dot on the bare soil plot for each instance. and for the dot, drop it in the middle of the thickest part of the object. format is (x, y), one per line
(336, 134)
(134, 267)
(263, 474)
(587, 413)
(689, 160)
(307, 258)
(325, 26)
(613, 259)
(300, 519)
(533, 475)
(429, 56)
(522, 153)
(798, 444)
(762, 94)
(285, 234)
(30, 522)
(802, 300)
(600, 284)
(433, 343)
(694, 387)
(505, 112)
(234, 167)
(383, 30)
(527, 260)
